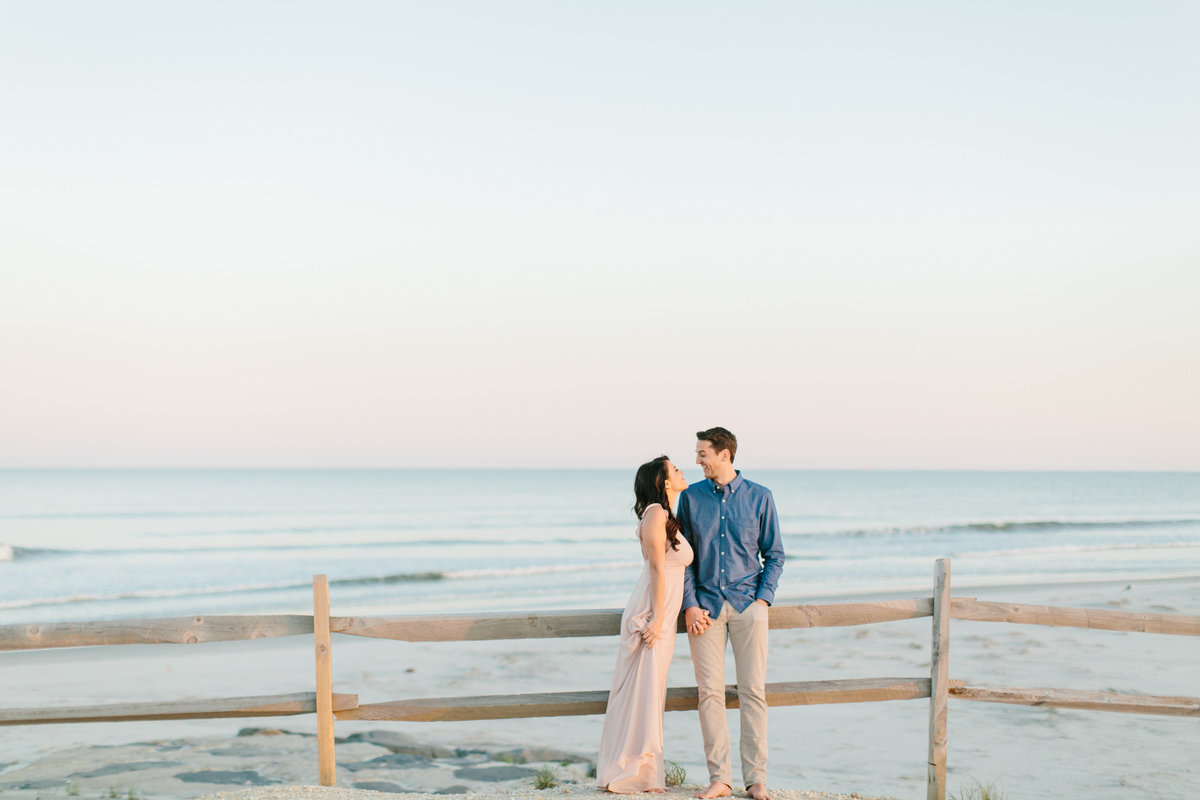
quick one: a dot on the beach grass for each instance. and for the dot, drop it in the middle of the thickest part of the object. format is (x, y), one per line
(545, 777)
(979, 791)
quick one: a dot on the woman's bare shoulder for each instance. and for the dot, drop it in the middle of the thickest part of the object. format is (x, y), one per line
(653, 512)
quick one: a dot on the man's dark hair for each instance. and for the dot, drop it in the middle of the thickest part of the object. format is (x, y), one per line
(721, 440)
(649, 487)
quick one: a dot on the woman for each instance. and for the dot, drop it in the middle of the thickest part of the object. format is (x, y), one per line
(631, 745)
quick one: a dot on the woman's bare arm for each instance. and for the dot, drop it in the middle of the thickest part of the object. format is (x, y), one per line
(654, 547)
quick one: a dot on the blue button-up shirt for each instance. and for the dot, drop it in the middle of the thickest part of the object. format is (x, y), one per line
(739, 551)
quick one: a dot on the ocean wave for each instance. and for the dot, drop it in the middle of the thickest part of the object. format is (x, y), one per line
(540, 570)
(11, 552)
(139, 514)
(485, 521)
(470, 574)
(256, 588)
(1006, 526)
(400, 577)
(157, 594)
(1080, 548)
(1055, 524)
(252, 588)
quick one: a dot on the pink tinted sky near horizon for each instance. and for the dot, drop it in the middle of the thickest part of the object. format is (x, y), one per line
(871, 236)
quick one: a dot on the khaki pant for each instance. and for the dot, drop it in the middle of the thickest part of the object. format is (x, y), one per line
(748, 633)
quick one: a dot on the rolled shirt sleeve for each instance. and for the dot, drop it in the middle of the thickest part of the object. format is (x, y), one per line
(770, 547)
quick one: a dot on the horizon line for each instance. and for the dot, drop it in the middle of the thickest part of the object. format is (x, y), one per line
(160, 468)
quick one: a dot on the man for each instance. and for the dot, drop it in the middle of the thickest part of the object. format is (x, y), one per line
(733, 528)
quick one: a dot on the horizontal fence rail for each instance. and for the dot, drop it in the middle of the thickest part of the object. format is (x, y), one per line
(1098, 619)
(1091, 701)
(169, 630)
(569, 704)
(272, 705)
(556, 624)
(604, 622)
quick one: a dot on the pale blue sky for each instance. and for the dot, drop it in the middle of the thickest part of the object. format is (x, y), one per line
(894, 235)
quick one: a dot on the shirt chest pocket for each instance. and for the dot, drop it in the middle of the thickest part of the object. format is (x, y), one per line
(744, 526)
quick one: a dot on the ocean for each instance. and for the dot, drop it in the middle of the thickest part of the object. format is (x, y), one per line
(111, 544)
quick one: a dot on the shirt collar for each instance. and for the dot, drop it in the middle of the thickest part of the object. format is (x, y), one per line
(730, 487)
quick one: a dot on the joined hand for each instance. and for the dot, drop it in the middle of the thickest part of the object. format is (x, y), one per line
(696, 620)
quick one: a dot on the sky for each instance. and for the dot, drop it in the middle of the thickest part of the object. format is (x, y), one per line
(861, 235)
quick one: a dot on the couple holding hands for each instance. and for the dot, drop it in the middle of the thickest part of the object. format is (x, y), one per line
(718, 558)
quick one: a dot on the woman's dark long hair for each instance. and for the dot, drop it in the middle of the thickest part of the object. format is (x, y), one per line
(650, 487)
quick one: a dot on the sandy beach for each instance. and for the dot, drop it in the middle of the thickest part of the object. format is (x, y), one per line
(581, 792)
(273, 764)
(875, 749)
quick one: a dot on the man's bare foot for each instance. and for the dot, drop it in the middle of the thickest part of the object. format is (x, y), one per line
(657, 791)
(758, 791)
(718, 789)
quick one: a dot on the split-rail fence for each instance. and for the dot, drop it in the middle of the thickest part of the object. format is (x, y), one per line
(329, 706)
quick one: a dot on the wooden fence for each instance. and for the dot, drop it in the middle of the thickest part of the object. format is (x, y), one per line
(560, 624)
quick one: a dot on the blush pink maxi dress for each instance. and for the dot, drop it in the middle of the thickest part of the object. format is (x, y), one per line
(631, 744)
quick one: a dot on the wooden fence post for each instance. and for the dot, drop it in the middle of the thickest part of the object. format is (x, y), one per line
(326, 766)
(939, 680)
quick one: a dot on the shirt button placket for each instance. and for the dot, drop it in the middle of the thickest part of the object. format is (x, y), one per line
(721, 556)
